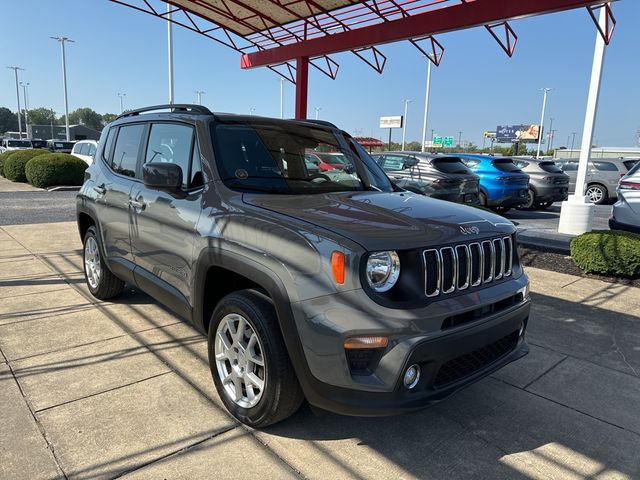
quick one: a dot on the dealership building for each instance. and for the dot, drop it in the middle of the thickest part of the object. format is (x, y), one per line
(599, 152)
(58, 132)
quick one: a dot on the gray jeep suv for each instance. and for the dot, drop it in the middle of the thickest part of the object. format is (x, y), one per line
(361, 297)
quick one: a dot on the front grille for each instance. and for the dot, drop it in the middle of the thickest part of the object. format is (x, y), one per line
(449, 269)
(467, 364)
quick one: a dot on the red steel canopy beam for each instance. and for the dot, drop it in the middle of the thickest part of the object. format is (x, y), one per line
(432, 22)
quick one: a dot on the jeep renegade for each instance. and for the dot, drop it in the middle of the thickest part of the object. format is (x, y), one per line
(334, 286)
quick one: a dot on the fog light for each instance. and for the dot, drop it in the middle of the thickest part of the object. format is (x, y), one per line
(411, 376)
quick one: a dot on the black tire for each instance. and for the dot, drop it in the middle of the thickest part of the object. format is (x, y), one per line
(107, 285)
(281, 396)
(531, 201)
(601, 197)
(543, 206)
(501, 210)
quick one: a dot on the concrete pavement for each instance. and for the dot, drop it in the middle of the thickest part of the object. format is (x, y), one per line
(94, 389)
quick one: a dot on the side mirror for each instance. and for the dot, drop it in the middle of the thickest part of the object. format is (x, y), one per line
(162, 176)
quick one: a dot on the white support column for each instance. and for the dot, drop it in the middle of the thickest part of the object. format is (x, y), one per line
(170, 52)
(576, 215)
(426, 105)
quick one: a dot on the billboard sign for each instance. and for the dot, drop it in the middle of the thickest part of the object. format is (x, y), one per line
(527, 133)
(391, 122)
(489, 134)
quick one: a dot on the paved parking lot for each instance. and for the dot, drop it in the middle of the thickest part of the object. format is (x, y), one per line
(107, 389)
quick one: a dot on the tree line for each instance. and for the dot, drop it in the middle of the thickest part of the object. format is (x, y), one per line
(44, 116)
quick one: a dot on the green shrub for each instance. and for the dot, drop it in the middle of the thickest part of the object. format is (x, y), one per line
(607, 252)
(3, 158)
(55, 169)
(14, 165)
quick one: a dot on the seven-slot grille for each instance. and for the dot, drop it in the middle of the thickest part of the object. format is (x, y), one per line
(448, 269)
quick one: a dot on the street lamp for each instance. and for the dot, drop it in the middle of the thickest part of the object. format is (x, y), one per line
(62, 41)
(318, 112)
(251, 110)
(53, 118)
(121, 95)
(25, 87)
(15, 71)
(200, 93)
(573, 141)
(459, 139)
(545, 91)
(426, 104)
(404, 123)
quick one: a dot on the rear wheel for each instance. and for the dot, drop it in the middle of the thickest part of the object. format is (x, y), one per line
(531, 201)
(543, 206)
(102, 283)
(251, 369)
(596, 193)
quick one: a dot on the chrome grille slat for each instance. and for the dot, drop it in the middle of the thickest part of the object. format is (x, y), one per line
(467, 265)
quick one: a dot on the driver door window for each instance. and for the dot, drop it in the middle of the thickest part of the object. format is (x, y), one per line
(172, 143)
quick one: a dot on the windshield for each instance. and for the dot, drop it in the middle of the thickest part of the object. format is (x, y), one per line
(505, 165)
(278, 158)
(630, 163)
(450, 165)
(18, 143)
(550, 167)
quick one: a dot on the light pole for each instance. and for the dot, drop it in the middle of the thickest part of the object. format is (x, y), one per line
(318, 112)
(545, 91)
(200, 93)
(15, 71)
(550, 134)
(426, 104)
(53, 117)
(170, 52)
(25, 87)
(460, 139)
(62, 41)
(404, 123)
(251, 110)
(121, 95)
(573, 141)
(281, 97)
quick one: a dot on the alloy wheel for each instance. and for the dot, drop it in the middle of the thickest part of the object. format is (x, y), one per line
(595, 194)
(240, 361)
(92, 266)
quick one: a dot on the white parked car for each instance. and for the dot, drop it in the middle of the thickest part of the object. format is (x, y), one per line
(14, 144)
(625, 214)
(85, 150)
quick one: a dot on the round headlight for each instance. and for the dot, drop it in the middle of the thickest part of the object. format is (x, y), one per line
(383, 270)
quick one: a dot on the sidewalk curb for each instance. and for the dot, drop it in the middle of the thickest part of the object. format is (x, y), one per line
(62, 188)
(557, 245)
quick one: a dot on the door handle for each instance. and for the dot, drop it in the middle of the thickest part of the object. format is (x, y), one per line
(100, 189)
(137, 205)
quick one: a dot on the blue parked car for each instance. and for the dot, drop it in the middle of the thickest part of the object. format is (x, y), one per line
(502, 184)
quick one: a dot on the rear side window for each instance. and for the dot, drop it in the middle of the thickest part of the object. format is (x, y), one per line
(81, 149)
(634, 169)
(108, 145)
(91, 150)
(125, 153)
(605, 166)
(570, 167)
(630, 163)
(450, 165)
(505, 165)
(171, 143)
(550, 167)
(393, 162)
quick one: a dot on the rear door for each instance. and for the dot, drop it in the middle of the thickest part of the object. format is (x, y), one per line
(163, 223)
(571, 169)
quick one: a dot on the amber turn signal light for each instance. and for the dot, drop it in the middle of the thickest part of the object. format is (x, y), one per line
(353, 343)
(337, 267)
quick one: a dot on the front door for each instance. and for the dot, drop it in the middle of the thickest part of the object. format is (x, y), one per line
(163, 223)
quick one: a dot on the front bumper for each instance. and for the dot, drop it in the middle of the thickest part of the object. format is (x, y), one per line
(616, 225)
(449, 360)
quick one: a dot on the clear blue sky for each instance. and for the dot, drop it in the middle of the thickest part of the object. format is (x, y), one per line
(476, 87)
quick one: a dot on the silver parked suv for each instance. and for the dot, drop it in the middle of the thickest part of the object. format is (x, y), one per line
(603, 176)
(342, 289)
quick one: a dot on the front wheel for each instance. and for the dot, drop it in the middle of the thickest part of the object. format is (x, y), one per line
(596, 194)
(249, 362)
(102, 283)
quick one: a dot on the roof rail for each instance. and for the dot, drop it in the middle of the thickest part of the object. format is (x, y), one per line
(174, 107)
(317, 122)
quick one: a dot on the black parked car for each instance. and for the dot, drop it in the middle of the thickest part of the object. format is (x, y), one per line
(60, 146)
(438, 176)
(547, 182)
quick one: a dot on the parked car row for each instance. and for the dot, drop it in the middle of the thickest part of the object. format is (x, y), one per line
(83, 149)
(625, 213)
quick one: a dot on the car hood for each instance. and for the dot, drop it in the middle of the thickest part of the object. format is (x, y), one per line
(381, 221)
